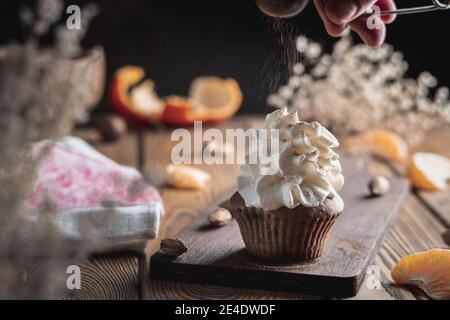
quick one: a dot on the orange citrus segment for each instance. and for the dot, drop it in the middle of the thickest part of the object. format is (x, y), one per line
(145, 101)
(383, 143)
(211, 99)
(133, 98)
(430, 271)
(216, 98)
(176, 112)
(429, 171)
(187, 177)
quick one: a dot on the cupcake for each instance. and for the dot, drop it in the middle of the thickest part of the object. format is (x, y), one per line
(287, 215)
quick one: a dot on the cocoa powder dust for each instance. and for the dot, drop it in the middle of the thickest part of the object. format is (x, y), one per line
(280, 63)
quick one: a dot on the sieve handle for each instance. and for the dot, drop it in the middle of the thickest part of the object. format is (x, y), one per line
(437, 5)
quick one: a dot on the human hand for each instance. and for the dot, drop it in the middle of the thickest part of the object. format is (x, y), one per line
(338, 15)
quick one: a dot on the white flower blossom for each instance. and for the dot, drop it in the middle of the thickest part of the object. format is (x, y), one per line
(355, 88)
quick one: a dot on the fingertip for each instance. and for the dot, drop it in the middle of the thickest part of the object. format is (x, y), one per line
(389, 19)
(376, 41)
(340, 12)
(372, 36)
(335, 30)
(387, 5)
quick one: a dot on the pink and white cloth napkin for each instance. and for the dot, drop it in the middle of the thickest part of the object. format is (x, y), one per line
(91, 191)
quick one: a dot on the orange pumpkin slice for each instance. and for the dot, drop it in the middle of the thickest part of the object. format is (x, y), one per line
(211, 99)
(430, 271)
(383, 143)
(429, 171)
(134, 98)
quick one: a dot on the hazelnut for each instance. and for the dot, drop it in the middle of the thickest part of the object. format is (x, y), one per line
(219, 218)
(173, 247)
(379, 186)
(111, 127)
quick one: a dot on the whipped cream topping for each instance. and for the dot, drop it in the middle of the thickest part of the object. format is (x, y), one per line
(308, 170)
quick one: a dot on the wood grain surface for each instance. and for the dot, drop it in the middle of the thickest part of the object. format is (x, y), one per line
(123, 151)
(419, 227)
(416, 230)
(218, 255)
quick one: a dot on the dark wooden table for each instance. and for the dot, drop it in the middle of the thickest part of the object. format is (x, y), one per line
(424, 217)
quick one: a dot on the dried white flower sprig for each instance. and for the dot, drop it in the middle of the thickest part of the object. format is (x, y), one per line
(46, 14)
(40, 94)
(356, 88)
(68, 41)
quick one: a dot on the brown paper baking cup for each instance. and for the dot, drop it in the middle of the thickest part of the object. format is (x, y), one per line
(284, 234)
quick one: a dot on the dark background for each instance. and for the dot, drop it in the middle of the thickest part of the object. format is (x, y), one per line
(178, 40)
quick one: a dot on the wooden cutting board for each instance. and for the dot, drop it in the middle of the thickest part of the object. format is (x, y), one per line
(217, 256)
